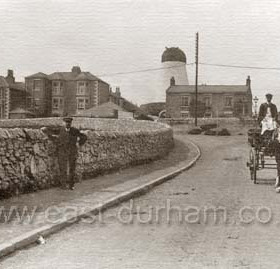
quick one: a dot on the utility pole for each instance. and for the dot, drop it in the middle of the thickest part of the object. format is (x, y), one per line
(196, 78)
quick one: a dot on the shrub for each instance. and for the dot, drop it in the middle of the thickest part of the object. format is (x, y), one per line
(208, 126)
(224, 132)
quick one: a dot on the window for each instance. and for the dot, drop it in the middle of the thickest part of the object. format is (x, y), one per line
(2, 95)
(82, 103)
(2, 105)
(82, 88)
(185, 101)
(57, 87)
(207, 100)
(57, 103)
(185, 115)
(229, 101)
(36, 102)
(37, 84)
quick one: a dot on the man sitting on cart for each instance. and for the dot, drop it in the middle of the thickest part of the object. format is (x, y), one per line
(268, 120)
(268, 115)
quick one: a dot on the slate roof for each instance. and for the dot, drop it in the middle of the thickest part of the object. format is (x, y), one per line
(67, 76)
(208, 89)
(38, 75)
(20, 86)
(101, 110)
(3, 82)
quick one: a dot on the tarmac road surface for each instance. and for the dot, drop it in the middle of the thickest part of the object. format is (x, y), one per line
(211, 216)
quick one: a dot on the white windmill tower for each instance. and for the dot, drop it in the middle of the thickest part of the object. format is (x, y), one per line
(173, 65)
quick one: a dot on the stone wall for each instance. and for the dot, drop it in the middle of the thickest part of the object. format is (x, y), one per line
(28, 159)
(174, 121)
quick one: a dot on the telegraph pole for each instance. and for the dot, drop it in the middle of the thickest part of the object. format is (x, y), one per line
(196, 78)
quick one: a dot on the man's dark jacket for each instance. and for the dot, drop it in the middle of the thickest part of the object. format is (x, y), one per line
(263, 111)
(67, 140)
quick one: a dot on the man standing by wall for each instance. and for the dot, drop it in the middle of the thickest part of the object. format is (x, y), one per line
(67, 139)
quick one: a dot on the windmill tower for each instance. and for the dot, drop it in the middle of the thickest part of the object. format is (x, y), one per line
(173, 65)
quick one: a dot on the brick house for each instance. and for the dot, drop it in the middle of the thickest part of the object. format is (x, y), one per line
(219, 100)
(12, 96)
(63, 93)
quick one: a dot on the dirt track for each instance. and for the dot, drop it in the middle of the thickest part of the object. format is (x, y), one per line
(244, 235)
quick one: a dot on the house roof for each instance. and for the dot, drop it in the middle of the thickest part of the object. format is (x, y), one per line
(76, 74)
(38, 75)
(208, 89)
(56, 76)
(3, 82)
(73, 76)
(104, 109)
(20, 86)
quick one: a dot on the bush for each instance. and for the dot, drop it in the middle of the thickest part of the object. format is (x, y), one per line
(209, 126)
(195, 131)
(224, 132)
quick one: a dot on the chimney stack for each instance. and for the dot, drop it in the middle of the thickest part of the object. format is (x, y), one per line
(248, 81)
(10, 76)
(76, 70)
(172, 81)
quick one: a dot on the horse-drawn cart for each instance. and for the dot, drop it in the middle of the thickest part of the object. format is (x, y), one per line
(262, 152)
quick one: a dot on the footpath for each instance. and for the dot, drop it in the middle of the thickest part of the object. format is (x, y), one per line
(27, 218)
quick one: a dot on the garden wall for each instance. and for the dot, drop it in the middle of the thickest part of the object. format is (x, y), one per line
(28, 158)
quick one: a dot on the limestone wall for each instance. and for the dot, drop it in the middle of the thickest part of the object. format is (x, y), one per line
(28, 159)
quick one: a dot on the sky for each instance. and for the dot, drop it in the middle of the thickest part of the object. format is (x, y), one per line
(107, 37)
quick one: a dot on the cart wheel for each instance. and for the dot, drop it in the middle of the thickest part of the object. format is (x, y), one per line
(253, 160)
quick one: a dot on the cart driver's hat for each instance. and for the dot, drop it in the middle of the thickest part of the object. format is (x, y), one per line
(269, 95)
(67, 119)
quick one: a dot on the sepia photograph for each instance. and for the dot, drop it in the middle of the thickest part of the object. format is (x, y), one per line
(139, 134)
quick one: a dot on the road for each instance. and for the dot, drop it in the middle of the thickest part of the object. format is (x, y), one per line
(211, 216)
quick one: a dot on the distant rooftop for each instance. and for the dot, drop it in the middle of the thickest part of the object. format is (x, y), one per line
(3, 82)
(20, 86)
(209, 89)
(75, 74)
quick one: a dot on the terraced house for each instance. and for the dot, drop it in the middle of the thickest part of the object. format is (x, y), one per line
(62, 93)
(213, 100)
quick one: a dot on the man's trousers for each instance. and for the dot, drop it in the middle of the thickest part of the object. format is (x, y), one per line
(67, 167)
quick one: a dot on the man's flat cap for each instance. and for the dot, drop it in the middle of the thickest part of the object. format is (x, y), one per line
(67, 119)
(268, 95)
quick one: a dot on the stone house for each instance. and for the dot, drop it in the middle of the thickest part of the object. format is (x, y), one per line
(62, 93)
(12, 95)
(218, 100)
